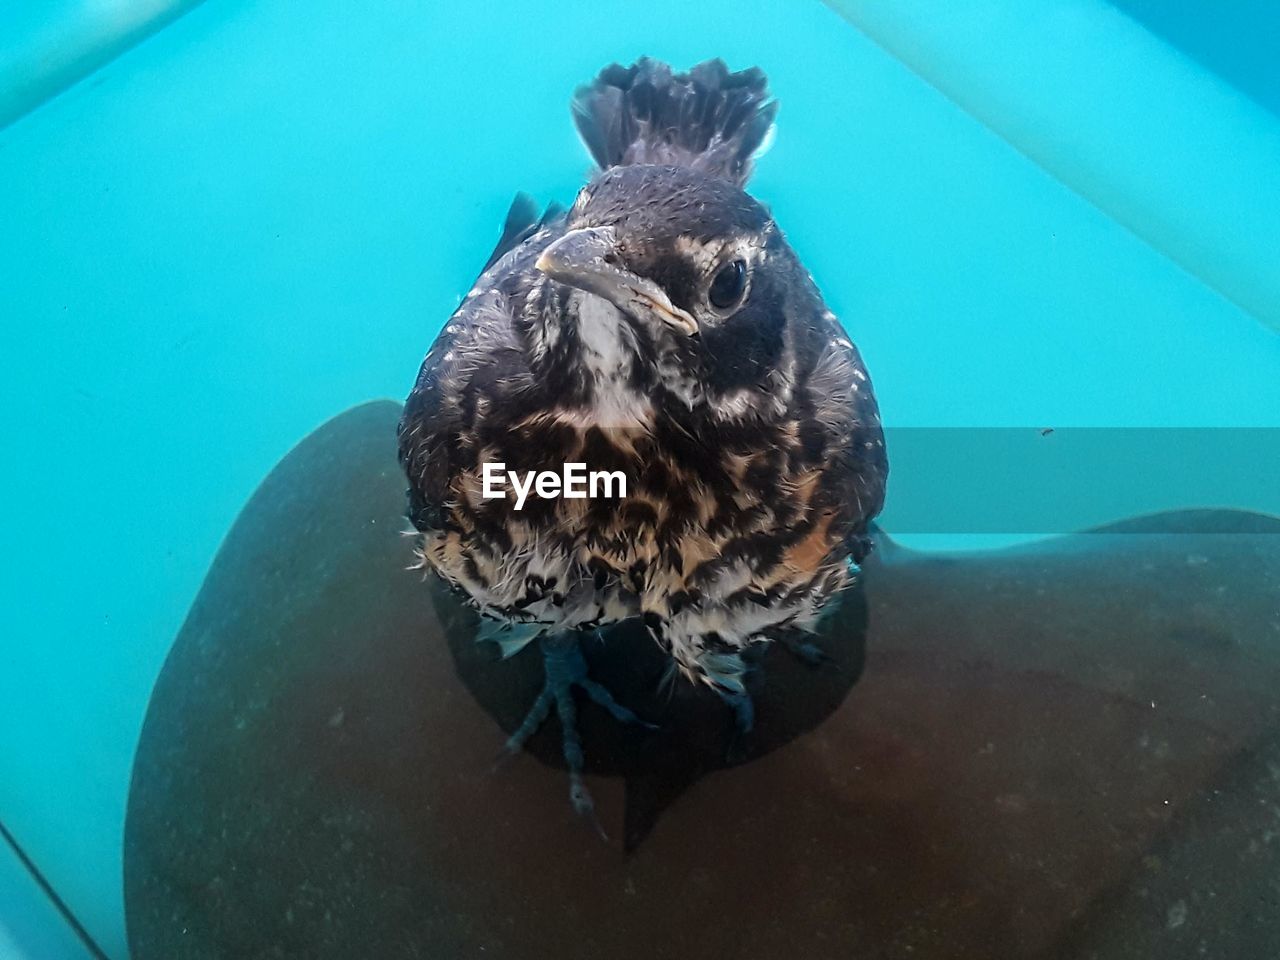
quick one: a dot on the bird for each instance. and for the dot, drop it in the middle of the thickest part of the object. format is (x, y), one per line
(663, 328)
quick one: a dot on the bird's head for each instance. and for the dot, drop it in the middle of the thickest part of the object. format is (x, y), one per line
(695, 266)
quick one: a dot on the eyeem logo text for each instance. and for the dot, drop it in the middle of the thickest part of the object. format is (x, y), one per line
(574, 482)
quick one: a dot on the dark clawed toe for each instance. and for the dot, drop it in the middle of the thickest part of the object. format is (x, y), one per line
(584, 806)
(811, 654)
(601, 696)
(503, 760)
(565, 669)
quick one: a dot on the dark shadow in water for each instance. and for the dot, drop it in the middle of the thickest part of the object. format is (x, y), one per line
(1063, 750)
(696, 734)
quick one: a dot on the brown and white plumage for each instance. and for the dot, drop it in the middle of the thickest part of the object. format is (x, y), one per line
(663, 327)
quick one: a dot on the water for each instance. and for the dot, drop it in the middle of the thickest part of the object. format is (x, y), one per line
(256, 219)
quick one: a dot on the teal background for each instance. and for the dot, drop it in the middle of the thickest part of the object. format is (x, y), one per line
(1237, 41)
(262, 214)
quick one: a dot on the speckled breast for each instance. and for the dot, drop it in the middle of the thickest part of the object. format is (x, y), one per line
(721, 534)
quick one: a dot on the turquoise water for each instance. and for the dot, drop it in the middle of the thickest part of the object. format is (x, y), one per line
(1237, 41)
(260, 217)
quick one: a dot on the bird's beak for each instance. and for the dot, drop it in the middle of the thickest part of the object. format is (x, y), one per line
(588, 259)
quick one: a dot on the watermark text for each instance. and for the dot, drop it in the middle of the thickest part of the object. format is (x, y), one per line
(573, 482)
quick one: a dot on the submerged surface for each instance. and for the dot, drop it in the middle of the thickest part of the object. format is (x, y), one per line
(256, 219)
(1065, 750)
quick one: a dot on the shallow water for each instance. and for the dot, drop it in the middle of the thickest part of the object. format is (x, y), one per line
(255, 220)
(1062, 750)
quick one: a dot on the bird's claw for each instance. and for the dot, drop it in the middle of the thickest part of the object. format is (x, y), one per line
(503, 759)
(565, 669)
(811, 654)
(584, 806)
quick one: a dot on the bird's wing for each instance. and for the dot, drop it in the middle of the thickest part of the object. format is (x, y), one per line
(473, 373)
(475, 355)
(856, 463)
(522, 222)
(429, 435)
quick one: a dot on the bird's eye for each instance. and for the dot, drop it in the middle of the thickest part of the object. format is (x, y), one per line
(728, 285)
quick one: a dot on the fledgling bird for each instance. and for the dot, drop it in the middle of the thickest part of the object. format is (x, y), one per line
(662, 327)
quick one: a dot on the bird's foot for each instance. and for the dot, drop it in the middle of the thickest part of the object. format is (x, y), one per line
(809, 653)
(565, 669)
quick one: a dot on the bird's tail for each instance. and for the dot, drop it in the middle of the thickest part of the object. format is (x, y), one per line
(708, 119)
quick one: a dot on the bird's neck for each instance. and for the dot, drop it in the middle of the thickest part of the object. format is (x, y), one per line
(617, 391)
(598, 367)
